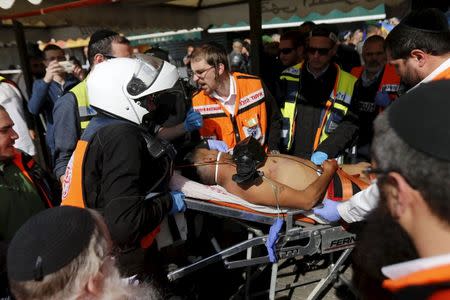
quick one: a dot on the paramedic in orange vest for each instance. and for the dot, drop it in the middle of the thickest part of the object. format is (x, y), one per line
(414, 185)
(377, 86)
(233, 105)
(419, 49)
(119, 167)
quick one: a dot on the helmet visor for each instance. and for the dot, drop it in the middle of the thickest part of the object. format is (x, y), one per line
(146, 71)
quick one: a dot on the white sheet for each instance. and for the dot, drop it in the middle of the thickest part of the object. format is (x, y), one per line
(197, 190)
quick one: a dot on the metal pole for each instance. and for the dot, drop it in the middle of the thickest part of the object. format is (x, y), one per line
(255, 36)
(23, 55)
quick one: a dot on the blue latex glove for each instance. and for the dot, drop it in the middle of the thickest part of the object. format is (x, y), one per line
(217, 145)
(272, 239)
(382, 99)
(318, 157)
(329, 210)
(178, 204)
(193, 120)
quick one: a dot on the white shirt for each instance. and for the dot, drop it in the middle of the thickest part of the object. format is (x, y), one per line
(229, 102)
(11, 100)
(408, 267)
(358, 206)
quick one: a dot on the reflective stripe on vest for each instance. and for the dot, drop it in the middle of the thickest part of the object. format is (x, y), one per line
(73, 192)
(335, 108)
(85, 112)
(292, 77)
(250, 117)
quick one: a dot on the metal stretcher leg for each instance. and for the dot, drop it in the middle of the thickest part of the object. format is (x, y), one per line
(332, 275)
(273, 281)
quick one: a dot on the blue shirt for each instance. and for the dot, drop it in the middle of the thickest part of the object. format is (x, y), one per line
(42, 100)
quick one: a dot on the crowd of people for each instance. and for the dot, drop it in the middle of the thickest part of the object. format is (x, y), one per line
(87, 228)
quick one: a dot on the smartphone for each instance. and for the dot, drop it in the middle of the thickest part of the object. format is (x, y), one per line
(68, 66)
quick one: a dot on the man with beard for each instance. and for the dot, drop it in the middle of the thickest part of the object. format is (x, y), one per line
(419, 48)
(65, 253)
(376, 88)
(412, 162)
(233, 105)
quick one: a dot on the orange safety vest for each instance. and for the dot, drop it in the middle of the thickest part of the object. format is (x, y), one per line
(429, 277)
(444, 75)
(73, 193)
(250, 115)
(390, 82)
(19, 162)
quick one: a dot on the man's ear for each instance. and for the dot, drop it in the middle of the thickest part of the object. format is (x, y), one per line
(220, 69)
(98, 58)
(95, 285)
(402, 196)
(419, 57)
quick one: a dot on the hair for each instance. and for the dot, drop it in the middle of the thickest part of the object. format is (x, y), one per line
(103, 46)
(306, 27)
(295, 36)
(426, 30)
(213, 53)
(51, 47)
(429, 175)
(2, 108)
(69, 282)
(374, 39)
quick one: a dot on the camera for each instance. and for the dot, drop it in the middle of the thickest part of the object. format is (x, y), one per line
(68, 66)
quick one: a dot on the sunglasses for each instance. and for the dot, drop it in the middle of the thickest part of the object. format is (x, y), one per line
(286, 50)
(321, 51)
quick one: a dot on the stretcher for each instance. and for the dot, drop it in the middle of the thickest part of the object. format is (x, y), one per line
(303, 236)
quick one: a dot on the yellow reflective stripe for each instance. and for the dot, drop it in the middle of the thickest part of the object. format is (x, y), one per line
(289, 78)
(84, 124)
(340, 107)
(288, 112)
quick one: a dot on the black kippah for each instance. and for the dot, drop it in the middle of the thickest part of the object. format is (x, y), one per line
(326, 30)
(100, 35)
(420, 118)
(430, 19)
(49, 241)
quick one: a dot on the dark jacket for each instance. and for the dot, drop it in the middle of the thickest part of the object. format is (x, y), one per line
(118, 173)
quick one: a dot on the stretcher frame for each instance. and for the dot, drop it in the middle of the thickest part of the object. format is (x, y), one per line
(315, 238)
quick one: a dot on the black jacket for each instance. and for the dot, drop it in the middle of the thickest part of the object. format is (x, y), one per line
(119, 172)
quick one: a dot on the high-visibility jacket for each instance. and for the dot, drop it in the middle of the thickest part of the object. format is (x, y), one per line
(73, 193)
(250, 114)
(431, 284)
(335, 108)
(390, 82)
(85, 112)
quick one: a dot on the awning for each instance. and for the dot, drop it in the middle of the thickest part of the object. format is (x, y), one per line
(168, 36)
(335, 16)
(292, 13)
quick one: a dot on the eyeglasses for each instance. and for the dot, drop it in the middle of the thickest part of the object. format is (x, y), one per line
(202, 74)
(286, 50)
(321, 51)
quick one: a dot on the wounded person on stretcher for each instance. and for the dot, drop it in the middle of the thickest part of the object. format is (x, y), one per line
(277, 180)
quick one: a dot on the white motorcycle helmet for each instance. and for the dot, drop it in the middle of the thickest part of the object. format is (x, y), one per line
(121, 86)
